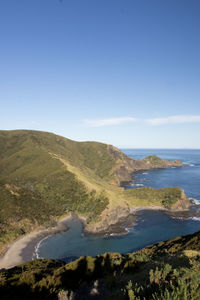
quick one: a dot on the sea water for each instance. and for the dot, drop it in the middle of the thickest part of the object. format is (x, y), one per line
(150, 227)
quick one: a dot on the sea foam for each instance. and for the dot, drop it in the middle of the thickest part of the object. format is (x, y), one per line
(195, 201)
(137, 184)
(195, 218)
(189, 164)
(36, 251)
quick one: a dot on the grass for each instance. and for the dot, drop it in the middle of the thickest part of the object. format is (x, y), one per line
(148, 196)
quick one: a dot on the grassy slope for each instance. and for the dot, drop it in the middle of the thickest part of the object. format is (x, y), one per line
(52, 173)
(167, 270)
(31, 177)
(148, 196)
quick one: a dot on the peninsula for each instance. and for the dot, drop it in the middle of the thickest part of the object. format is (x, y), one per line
(45, 177)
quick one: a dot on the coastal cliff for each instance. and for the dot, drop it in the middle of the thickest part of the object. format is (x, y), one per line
(169, 200)
(128, 165)
(44, 177)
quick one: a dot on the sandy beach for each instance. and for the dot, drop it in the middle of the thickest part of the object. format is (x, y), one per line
(14, 255)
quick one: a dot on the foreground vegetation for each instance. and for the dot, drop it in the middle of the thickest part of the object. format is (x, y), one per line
(44, 176)
(167, 270)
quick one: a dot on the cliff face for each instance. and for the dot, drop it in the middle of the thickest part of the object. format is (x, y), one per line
(129, 165)
(113, 222)
(172, 200)
(184, 203)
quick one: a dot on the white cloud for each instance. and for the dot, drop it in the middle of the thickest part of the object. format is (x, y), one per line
(109, 122)
(179, 119)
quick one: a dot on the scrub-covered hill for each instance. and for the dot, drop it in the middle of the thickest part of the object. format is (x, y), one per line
(44, 176)
(167, 270)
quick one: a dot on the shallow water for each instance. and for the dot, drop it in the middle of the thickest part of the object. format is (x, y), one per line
(151, 226)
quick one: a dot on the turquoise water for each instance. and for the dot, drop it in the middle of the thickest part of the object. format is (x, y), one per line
(151, 226)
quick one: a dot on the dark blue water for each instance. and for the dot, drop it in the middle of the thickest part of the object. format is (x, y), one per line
(187, 178)
(151, 226)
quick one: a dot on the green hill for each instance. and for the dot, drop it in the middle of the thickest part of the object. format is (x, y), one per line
(44, 176)
(167, 270)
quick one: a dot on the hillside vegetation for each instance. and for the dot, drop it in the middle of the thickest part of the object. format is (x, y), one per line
(44, 176)
(148, 196)
(155, 160)
(167, 270)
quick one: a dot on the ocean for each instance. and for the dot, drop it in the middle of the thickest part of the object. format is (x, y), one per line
(150, 227)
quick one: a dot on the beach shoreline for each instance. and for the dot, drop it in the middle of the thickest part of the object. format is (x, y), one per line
(19, 251)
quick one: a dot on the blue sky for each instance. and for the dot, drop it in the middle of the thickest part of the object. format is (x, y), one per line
(122, 72)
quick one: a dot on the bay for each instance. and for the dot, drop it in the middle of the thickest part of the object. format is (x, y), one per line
(151, 226)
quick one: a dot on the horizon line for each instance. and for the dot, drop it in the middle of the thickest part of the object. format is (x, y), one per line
(154, 148)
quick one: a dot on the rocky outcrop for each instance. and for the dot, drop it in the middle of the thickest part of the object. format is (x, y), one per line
(127, 165)
(182, 204)
(114, 222)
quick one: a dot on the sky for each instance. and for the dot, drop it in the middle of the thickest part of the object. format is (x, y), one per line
(122, 72)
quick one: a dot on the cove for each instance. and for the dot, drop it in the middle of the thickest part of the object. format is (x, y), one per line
(150, 227)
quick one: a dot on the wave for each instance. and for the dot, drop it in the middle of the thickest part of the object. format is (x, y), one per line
(137, 184)
(127, 229)
(114, 234)
(118, 234)
(36, 251)
(188, 163)
(145, 173)
(187, 218)
(195, 218)
(180, 218)
(195, 201)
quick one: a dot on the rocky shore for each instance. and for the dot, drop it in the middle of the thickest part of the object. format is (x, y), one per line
(129, 166)
(116, 220)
